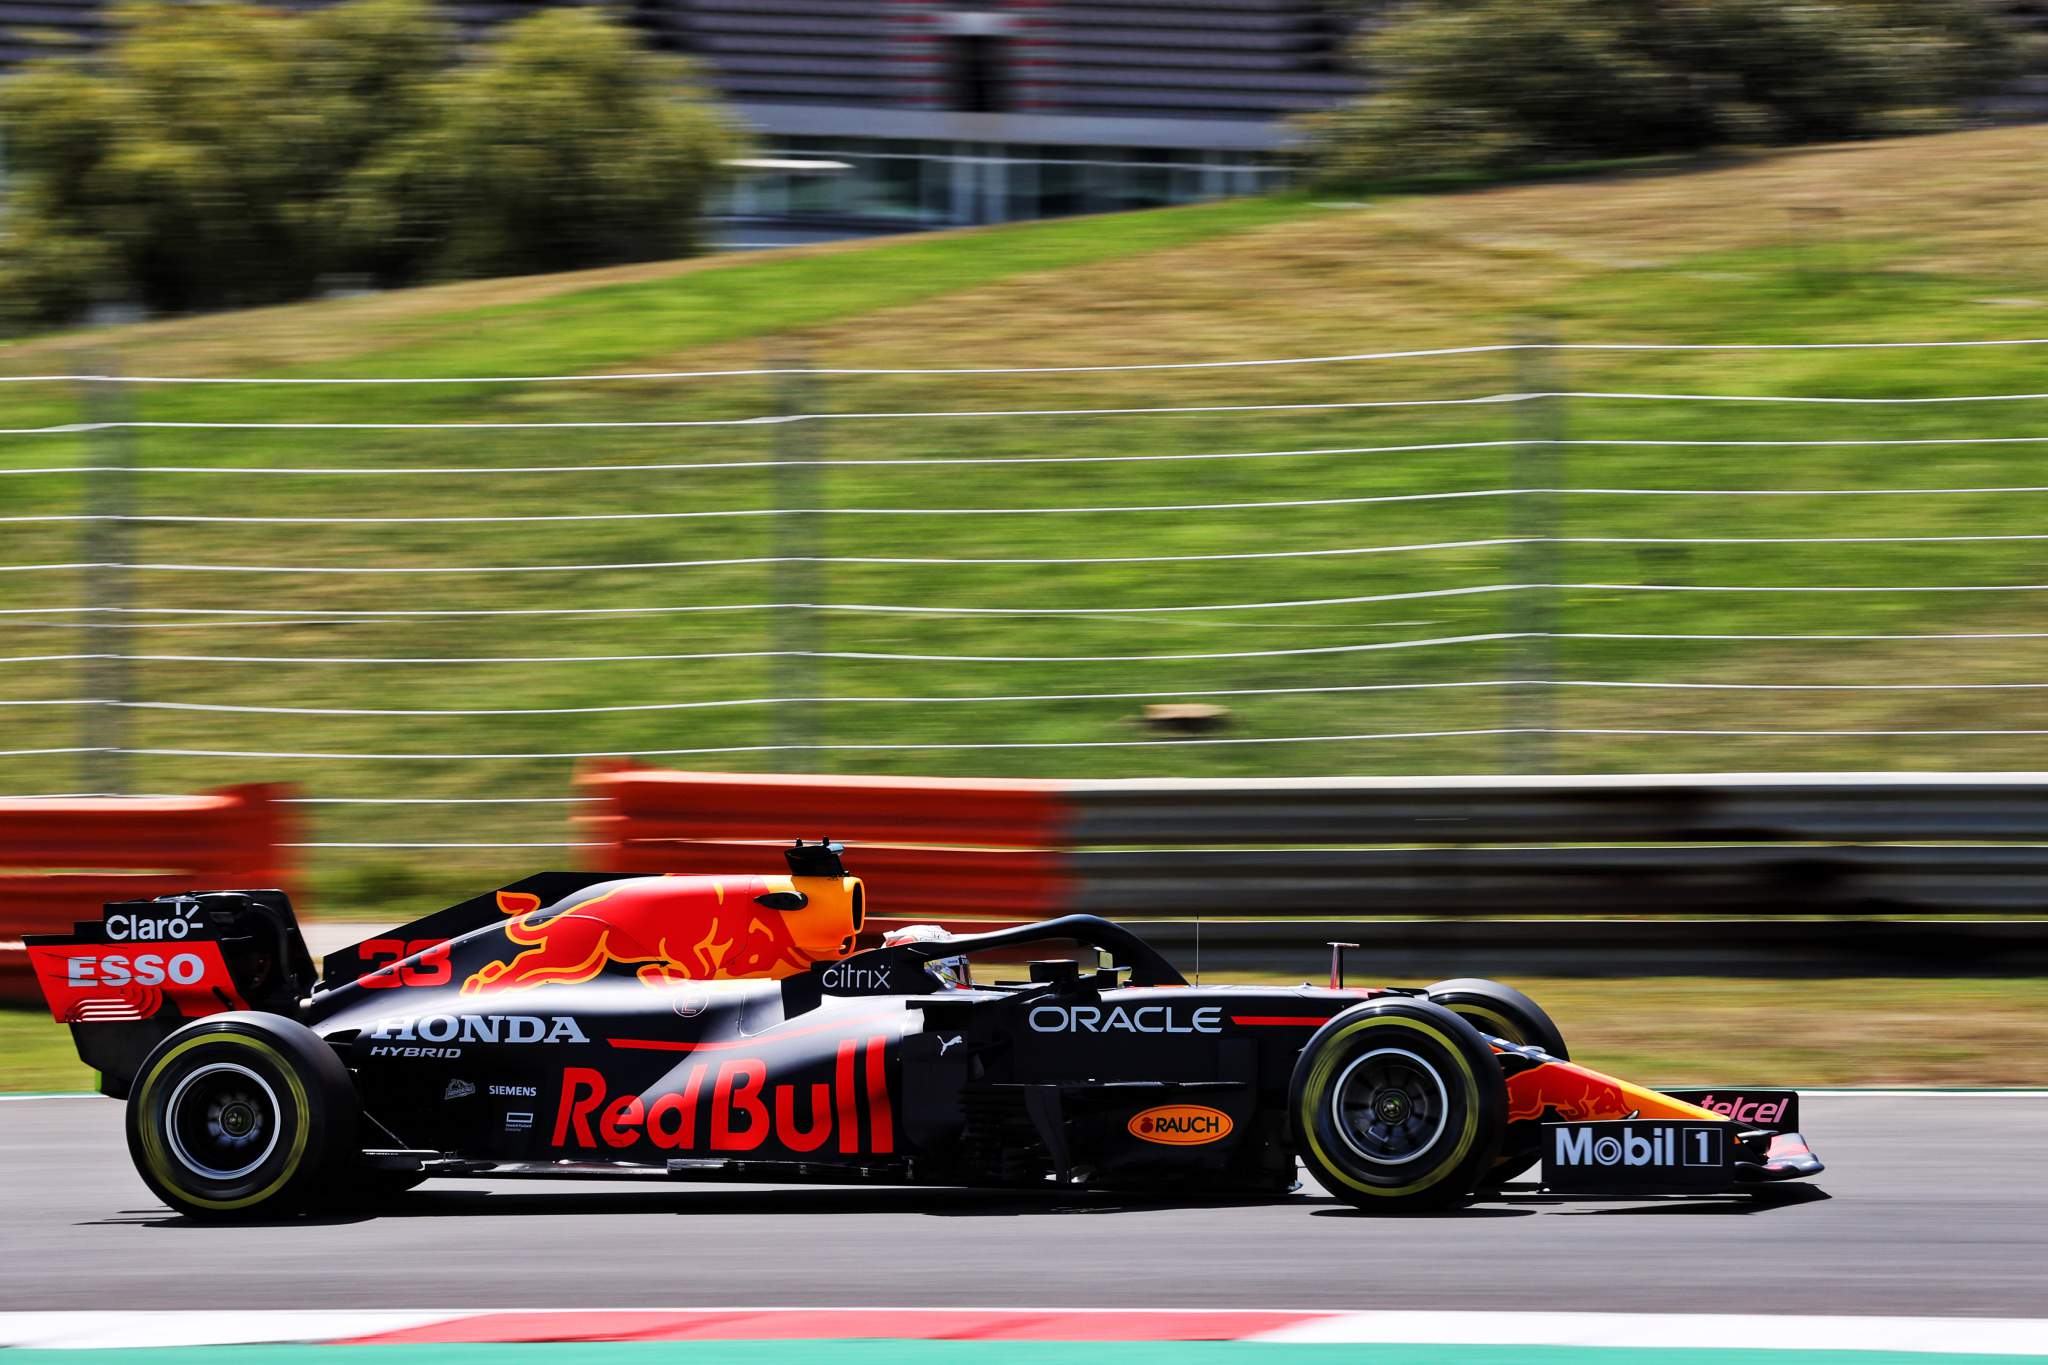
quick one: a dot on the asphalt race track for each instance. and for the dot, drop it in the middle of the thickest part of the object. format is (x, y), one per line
(1934, 1205)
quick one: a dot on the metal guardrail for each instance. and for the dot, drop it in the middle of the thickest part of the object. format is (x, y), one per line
(1736, 874)
(1585, 872)
(1738, 808)
(1592, 881)
(1416, 952)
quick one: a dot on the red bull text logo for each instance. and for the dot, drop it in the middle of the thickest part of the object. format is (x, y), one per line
(730, 1107)
(676, 929)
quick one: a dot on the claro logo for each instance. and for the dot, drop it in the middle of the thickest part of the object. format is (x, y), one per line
(142, 928)
(1180, 1125)
(1118, 1019)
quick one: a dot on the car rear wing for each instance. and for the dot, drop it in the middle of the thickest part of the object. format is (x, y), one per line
(144, 967)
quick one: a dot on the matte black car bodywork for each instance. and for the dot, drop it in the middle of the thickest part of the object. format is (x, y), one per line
(583, 1023)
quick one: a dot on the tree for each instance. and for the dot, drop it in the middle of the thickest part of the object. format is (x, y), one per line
(565, 145)
(1493, 84)
(216, 154)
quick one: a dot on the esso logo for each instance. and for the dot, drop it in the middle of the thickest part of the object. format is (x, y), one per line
(141, 969)
(146, 928)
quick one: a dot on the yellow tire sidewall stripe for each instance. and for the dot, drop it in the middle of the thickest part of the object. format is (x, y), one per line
(1502, 1026)
(1318, 1082)
(153, 1145)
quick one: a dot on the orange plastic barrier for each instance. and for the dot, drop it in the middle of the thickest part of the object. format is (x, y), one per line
(930, 849)
(60, 860)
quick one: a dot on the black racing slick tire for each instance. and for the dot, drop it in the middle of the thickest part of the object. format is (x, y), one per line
(1499, 1011)
(1398, 1106)
(242, 1115)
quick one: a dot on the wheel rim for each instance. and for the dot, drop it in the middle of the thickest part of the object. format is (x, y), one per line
(1390, 1106)
(222, 1121)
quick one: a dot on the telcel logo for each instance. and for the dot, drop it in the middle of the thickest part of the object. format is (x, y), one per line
(1746, 1111)
(1117, 1019)
(1180, 1125)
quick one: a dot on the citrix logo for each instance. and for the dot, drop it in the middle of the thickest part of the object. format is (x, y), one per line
(842, 977)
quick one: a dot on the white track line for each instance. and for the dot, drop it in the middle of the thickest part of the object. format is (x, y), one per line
(1679, 1331)
(199, 1327)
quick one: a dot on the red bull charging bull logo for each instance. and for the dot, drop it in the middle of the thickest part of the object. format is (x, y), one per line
(1569, 1092)
(675, 929)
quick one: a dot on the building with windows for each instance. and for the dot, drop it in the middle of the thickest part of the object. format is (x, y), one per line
(954, 113)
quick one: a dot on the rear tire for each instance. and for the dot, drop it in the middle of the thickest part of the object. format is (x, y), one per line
(1398, 1106)
(242, 1115)
(1501, 1011)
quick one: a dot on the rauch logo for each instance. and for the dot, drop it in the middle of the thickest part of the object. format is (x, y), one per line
(1180, 1125)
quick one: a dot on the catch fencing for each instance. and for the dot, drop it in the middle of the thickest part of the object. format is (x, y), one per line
(427, 599)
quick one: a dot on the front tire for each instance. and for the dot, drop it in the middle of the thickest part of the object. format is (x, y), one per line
(1398, 1106)
(242, 1115)
(1501, 1011)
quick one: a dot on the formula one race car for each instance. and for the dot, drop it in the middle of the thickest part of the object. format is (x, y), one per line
(727, 1028)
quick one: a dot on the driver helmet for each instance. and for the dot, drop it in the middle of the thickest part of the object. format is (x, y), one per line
(949, 972)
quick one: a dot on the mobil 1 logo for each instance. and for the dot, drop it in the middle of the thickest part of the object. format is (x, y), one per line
(1629, 1156)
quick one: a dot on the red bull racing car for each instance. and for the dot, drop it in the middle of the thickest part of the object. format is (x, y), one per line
(731, 1028)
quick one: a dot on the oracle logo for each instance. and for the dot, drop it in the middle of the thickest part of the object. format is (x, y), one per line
(1125, 1019)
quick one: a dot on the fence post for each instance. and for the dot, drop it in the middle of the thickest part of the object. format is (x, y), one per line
(799, 578)
(1533, 521)
(109, 450)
